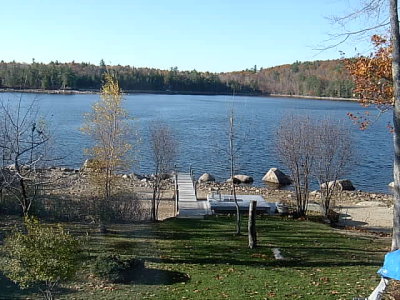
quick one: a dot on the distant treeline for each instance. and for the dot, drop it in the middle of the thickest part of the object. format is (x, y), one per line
(85, 76)
(319, 78)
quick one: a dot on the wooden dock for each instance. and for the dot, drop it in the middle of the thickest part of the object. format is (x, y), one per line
(188, 205)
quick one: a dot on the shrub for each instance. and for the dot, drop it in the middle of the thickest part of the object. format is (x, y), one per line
(115, 269)
(42, 255)
(333, 216)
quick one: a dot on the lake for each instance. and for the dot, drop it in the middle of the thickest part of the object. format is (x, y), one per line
(201, 126)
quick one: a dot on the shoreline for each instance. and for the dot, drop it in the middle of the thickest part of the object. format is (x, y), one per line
(93, 92)
(357, 209)
(143, 181)
(50, 92)
(314, 97)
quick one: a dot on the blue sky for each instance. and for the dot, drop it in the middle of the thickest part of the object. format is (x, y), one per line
(206, 35)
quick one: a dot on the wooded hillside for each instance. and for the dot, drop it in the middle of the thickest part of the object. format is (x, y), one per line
(319, 78)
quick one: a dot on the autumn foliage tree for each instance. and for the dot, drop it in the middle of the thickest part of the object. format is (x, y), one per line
(377, 81)
(372, 74)
(107, 125)
(374, 85)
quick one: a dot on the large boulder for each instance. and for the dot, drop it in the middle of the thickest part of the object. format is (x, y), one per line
(343, 185)
(244, 178)
(206, 178)
(274, 175)
(241, 179)
(235, 180)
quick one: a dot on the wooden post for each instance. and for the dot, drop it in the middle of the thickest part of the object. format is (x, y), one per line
(175, 191)
(177, 201)
(176, 194)
(252, 224)
(195, 188)
(193, 181)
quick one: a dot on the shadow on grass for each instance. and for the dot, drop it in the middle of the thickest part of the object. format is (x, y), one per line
(10, 290)
(159, 277)
(288, 263)
(305, 244)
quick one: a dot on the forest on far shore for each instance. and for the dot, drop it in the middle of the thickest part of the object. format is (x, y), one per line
(318, 78)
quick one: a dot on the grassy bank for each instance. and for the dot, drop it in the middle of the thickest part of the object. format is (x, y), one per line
(202, 259)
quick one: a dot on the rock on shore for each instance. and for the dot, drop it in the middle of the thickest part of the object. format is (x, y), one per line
(343, 185)
(241, 179)
(274, 175)
(75, 182)
(206, 178)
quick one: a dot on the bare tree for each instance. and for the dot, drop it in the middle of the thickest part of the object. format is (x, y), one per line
(232, 153)
(164, 148)
(333, 155)
(373, 14)
(314, 149)
(24, 141)
(229, 149)
(296, 147)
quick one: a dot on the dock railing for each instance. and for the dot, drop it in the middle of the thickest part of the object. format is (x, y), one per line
(191, 172)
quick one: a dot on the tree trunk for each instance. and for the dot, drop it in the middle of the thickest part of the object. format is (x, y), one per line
(102, 212)
(153, 202)
(232, 169)
(395, 39)
(252, 225)
(25, 201)
(238, 217)
(176, 194)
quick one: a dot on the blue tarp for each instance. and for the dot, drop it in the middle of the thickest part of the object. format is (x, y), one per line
(391, 265)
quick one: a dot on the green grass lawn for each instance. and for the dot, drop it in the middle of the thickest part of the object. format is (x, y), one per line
(203, 259)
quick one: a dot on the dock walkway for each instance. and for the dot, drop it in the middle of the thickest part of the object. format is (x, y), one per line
(188, 205)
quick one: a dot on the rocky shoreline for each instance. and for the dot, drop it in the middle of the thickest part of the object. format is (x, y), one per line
(76, 180)
(73, 188)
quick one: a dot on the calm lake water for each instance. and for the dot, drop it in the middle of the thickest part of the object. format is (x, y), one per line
(201, 125)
